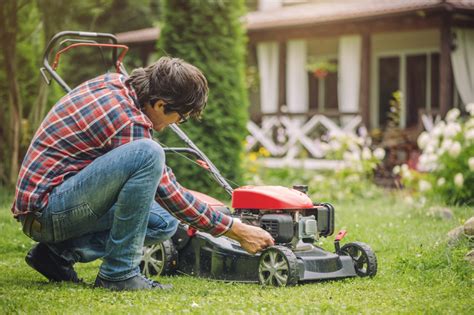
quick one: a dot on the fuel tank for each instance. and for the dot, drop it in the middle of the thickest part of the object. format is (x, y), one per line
(270, 198)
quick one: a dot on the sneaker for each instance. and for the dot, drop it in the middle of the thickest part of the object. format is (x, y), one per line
(50, 265)
(138, 282)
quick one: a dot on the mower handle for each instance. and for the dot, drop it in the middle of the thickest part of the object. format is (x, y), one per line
(60, 35)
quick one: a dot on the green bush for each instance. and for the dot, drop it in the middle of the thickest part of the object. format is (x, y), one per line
(446, 165)
(209, 35)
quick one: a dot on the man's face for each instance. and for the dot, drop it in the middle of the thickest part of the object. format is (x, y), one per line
(156, 113)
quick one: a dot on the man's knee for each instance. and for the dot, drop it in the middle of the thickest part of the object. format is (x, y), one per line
(163, 232)
(149, 147)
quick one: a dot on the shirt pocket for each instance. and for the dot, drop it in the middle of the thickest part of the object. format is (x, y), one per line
(73, 222)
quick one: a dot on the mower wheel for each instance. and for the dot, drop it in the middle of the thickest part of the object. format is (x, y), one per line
(365, 261)
(159, 259)
(278, 266)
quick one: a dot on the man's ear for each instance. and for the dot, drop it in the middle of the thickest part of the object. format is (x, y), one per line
(158, 105)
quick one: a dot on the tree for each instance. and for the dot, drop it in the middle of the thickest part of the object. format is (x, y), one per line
(209, 35)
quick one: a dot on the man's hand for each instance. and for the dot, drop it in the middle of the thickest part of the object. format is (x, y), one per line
(253, 239)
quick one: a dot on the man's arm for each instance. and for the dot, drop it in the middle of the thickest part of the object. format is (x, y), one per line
(183, 205)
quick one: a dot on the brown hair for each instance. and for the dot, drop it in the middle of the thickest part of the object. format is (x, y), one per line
(179, 84)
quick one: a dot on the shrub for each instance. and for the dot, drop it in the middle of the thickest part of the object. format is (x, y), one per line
(352, 179)
(446, 165)
(209, 35)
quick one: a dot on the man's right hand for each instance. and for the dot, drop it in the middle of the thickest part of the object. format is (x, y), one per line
(253, 239)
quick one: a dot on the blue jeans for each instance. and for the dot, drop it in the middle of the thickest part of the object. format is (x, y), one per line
(108, 211)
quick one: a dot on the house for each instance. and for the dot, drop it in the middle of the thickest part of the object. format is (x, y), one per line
(334, 65)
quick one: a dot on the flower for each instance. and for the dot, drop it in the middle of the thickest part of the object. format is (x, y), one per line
(423, 140)
(470, 162)
(366, 154)
(451, 130)
(379, 153)
(470, 108)
(455, 150)
(458, 180)
(424, 185)
(441, 181)
(438, 130)
(452, 115)
(396, 170)
(469, 135)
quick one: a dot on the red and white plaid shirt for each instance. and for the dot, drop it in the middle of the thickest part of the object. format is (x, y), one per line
(96, 117)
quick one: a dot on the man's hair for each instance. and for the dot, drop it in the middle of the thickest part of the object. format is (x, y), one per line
(179, 84)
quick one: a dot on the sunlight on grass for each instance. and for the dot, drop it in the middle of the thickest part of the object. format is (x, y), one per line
(418, 273)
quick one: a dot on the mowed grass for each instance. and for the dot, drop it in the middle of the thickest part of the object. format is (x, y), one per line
(418, 273)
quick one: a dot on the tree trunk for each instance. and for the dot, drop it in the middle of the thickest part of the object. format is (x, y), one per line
(8, 30)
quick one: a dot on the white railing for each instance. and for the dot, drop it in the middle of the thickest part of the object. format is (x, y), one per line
(298, 140)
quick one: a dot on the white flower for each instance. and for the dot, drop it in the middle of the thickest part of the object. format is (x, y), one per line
(458, 180)
(469, 135)
(470, 123)
(455, 150)
(446, 144)
(470, 162)
(404, 168)
(423, 140)
(325, 147)
(451, 130)
(335, 145)
(366, 154)
(452, 115)
(379, 153)
(396, 169)
(441, 181)
(424, 185)
(470, 108)
(438, 130)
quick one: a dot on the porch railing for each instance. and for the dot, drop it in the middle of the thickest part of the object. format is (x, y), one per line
(297, 139)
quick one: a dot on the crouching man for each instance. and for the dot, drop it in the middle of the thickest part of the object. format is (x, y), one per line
(94, 185)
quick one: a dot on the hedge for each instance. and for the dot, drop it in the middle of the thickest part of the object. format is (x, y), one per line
(210, 35)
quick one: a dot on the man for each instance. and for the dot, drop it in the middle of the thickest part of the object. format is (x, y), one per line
(94, 185)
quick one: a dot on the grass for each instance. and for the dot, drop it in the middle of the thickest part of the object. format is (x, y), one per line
(418, 273)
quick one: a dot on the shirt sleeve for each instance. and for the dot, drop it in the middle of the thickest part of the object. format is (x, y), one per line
(185, 207)
(172, 196)
(128, 134)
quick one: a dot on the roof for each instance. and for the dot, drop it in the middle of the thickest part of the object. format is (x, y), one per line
(139, 36)
(320, 12)
(331, 11)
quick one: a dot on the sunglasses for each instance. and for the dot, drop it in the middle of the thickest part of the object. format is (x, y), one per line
(182, 118)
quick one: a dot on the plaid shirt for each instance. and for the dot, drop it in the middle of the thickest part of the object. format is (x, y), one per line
(94, 118)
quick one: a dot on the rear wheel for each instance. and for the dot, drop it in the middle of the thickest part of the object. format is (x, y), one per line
(159, 259)
(278, 267)
(365, 261)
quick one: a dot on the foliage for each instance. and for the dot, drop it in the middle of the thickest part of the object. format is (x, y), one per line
(395, 110)
(321, 67)
(351, 177)
(446, 165)
(209, 34)
(417, 274)
(35, 22)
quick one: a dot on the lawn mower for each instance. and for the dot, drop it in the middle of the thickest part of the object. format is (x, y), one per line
(288, 214)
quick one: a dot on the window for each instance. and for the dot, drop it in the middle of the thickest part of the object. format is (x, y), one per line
(417, 76)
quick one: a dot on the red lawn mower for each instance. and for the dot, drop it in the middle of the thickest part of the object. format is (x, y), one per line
(288, 214)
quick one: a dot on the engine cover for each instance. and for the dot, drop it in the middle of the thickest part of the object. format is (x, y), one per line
(269, 198)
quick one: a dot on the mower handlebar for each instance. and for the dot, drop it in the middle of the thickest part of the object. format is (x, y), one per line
(51, 44)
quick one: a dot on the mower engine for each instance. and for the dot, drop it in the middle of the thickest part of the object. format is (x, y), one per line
(287, 214)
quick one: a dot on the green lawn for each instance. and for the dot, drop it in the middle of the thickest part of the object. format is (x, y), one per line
(417, 274)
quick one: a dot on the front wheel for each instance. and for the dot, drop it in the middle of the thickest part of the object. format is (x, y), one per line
(365, 261)
(159, 259)
(278, 267)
